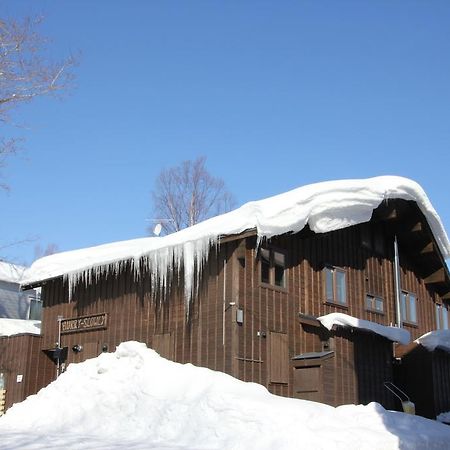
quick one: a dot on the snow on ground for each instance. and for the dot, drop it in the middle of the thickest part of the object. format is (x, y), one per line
(10, 327)
(392, 333)
(326, 206)
(433, 339)
(444, 417)
(134, 399)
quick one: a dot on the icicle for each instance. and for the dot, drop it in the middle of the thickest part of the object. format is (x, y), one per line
(164, 265)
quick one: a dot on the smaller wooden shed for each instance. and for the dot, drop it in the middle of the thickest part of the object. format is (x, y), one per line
(24, 369)
(424, 373)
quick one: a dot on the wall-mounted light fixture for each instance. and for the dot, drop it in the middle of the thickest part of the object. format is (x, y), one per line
(77, 348)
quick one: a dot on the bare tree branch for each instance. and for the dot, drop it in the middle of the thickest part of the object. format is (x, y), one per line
(26, 73)
(187, 194)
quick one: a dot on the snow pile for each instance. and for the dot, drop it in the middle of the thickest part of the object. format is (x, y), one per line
(392, 333)
(11, 327)
(444, 417)
(323, 206)
(433, 339)
(135, 399)
(12, 273)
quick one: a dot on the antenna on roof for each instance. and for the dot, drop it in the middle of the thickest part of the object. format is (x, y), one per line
(159, 225)
(157, 229)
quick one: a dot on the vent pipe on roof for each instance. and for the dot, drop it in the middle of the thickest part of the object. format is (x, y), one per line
(397, 285)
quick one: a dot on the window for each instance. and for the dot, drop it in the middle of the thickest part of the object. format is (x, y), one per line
(335, 285)
(374, 303)
(408, 307)
(35, 308)
(273, 264)
(441, 317)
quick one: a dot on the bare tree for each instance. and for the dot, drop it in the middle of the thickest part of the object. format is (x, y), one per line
(187, 194)
(50, 249)
(25, 73)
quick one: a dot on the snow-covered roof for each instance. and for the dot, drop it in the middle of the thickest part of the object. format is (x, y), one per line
(392, 333)
(434, 339)
(184, 407)
(11, 327)
(12, 273)
(325, 206)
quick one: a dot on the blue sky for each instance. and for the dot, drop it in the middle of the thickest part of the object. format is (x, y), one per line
(276, 94)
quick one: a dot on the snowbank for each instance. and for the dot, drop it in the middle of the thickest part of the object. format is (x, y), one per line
(323, 206)
(12, 273)
(392, 333)
(444, 417)
(10, 327)
(433, 339)
(135, 399)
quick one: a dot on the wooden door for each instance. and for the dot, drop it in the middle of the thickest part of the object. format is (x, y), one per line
(279, 358)
(307, 383)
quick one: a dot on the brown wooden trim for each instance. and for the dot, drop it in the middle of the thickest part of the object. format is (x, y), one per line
(241, 358)
(436, 277)
(429, 248)
(232, 237)
(417, 228)
(309, 320)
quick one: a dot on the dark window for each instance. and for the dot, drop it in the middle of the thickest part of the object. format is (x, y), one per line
(35, 308)
(265, 265)
(441, 317)
(273, 267)
(278, 268)
(408, 307)
(374, 303)
(335, 282)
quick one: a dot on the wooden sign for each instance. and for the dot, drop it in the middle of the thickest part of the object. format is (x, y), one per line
(85, 323)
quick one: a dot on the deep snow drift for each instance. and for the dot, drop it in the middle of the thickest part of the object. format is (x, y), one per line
(135, 399)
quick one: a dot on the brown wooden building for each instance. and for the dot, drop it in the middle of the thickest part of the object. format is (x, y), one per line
(255, 311)
(23, 366)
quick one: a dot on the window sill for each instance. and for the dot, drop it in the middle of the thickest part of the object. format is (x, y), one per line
(273, 287)
(409, 324)
(337, 305)
(374, 311)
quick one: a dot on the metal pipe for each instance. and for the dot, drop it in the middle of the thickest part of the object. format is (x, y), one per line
(59, 318)
(224, 298)
(397, 285)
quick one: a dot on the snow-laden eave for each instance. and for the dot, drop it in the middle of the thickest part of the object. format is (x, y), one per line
(19, 327)
(394, 334)
(433, 340)
(325, 207)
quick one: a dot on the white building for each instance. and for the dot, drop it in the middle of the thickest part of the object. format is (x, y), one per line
(14, 303)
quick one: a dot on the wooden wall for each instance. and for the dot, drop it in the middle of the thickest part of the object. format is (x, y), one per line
(270, 310)
(133, 314)
(20, 355)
